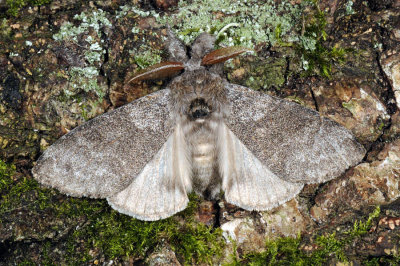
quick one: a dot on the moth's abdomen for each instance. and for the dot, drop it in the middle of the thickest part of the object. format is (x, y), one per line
(201, 138)
(204, 167)
(203, 158)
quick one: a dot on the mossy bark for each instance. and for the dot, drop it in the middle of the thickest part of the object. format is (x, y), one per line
(49, 85)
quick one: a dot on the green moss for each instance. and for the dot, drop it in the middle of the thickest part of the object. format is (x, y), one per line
(13, 6)
(283, 251)
(115, 234)
(288, 251)
(6, 172)
(315, 55)
(316, 58)
(361, 228)
(392, 261)
(19, 193)
(5, 30)
(145, 56)
(118, 235)
(269, 73)
(381, 125)
(333, 245)
(330, 245)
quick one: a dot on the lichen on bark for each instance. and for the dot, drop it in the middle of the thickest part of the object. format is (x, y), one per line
(62, 63)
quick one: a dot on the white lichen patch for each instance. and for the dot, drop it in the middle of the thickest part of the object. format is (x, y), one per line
(305, 63)
(229, 228)
(349, 8)
(124, 10)
(12, 54)
(95, 20)
(85, 78)
(309, 43)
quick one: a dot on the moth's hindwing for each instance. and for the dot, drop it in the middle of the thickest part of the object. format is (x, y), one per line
(103, 156)
(246, 181)
(160, 190)
(293, 142)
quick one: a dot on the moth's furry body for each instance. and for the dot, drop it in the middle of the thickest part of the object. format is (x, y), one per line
(200, 134)
(198, 86)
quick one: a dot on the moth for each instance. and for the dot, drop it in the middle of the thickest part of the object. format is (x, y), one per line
(200, 134)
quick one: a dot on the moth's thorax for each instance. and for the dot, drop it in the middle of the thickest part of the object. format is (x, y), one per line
(198, 94)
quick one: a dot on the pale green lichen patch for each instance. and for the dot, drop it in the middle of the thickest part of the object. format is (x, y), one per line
(128, 10)
(253, 22)
(85, 78)
(298, 26)
(349, 8)
(352, 106)
(257, 21)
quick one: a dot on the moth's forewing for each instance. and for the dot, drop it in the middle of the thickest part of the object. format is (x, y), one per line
(104, 155)
(294, 142)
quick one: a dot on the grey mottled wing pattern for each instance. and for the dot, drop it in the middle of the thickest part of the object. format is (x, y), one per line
(292, 141)
(103, 156)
